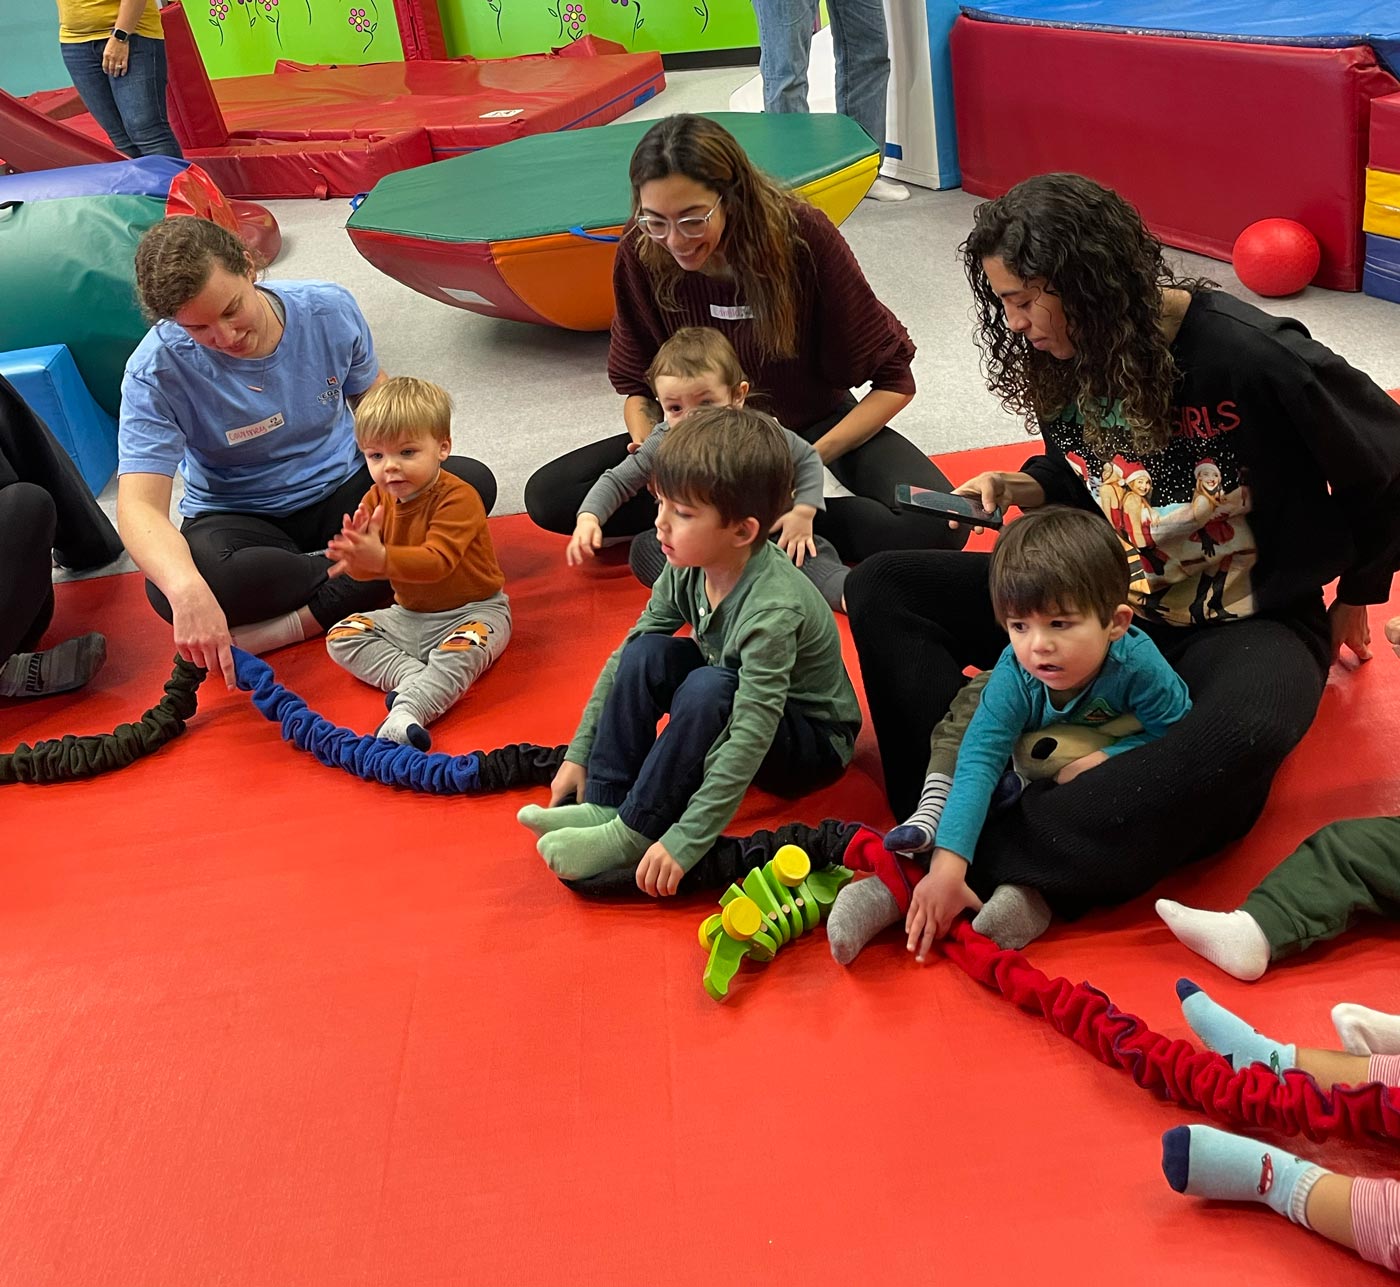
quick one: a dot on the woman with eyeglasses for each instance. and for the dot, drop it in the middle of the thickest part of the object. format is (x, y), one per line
(715, 242)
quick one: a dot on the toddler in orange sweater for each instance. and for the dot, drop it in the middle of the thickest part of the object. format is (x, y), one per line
(423, 530)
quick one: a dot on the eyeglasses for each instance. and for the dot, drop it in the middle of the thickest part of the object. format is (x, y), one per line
(692, 226)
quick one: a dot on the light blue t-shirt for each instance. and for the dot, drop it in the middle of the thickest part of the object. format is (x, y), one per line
(188, 408)
(1135, 678)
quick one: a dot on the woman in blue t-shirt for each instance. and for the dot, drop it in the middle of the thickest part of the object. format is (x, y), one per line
(246, 389)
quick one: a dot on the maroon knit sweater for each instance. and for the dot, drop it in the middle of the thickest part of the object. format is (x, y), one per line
(845, 336)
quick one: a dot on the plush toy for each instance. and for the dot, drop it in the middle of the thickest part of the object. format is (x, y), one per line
(1043, 753)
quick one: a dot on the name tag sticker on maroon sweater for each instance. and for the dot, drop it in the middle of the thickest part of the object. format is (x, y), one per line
(731, 312)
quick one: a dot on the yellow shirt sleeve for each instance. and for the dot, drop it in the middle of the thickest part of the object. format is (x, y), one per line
(80, 20)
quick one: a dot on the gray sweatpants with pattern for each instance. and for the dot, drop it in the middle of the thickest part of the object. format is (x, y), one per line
(428, 658)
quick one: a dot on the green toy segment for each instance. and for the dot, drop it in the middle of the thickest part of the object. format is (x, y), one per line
(547, 183)
(786, 911)
(69, 279)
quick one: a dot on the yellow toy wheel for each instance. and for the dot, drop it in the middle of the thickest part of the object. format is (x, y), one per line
(742, 919)
(791, 865)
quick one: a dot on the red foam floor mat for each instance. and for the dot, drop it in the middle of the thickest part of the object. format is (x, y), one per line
(463, 105)
(263, 1023)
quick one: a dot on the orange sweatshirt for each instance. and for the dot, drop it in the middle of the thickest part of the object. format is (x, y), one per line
(439, 549)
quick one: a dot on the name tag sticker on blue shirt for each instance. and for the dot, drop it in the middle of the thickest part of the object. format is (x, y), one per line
(731, 312)
(249, 432)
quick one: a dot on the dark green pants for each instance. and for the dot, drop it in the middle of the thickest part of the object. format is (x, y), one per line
(1332, 878)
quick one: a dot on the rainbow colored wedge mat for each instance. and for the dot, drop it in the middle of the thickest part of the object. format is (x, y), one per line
(527, 230)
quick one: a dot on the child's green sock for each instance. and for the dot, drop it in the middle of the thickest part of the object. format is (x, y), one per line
(575, 853)
(542, 821)
(1229, 1035)
(1208, 1163)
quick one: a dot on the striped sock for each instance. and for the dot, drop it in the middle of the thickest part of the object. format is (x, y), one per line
(916, 834)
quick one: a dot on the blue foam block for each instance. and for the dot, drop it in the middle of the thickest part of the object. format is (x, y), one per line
(1381, 277)
(146, 176)
(47, 379)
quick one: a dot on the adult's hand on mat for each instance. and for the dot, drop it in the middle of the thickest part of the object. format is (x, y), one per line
(998, 489)
(586, 541)
(938, 900)
(1350, 629)
(201, 632)
(1392, 634)
(658, 874)
(568, 784)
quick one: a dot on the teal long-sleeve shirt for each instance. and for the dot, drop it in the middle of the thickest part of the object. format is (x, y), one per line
(1135, 678)
(776, 631)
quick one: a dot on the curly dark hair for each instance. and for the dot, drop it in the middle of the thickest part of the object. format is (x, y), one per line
(175, 258)
(760, 241)
(1092, 250)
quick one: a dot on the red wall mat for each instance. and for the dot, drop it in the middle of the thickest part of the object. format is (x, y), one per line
(266, 1024)
(1203, 136)
(1385, 134)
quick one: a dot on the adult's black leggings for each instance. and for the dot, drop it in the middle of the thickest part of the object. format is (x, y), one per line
(919, 619)
(264, 565)
(858, 525)
(27, 524)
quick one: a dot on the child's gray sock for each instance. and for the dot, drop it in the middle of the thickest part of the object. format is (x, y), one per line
(542, 821)
(404, 727)
(59, 669)
(1013, 916)
(861, 910)
(825, 570)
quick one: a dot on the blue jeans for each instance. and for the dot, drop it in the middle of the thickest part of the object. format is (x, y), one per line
(860, 41)
(649, 779)
(130, 108)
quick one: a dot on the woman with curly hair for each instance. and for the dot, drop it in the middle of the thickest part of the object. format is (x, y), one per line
(1087, 334)
(713, 241)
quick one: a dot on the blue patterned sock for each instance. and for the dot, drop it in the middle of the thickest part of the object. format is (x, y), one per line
(1208, 1163)
(1229, 1035)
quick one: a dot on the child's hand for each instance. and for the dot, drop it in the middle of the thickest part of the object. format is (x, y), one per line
(359, 553)
(794, 531)
(1392, 634)
(568, 784)
(359, 521)
(658, 874)
(1082, 765)
(586, 540)
(938, 900)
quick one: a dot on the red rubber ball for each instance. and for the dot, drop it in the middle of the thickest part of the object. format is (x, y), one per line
(1276, 257)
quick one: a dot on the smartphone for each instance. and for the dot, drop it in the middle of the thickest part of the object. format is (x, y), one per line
(961, 509)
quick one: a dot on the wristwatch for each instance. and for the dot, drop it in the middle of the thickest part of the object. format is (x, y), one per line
(119, 34)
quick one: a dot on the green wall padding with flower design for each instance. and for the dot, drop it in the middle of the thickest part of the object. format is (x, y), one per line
(246, 37)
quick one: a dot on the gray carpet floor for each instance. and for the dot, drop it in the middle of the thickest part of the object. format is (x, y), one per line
(525, 393)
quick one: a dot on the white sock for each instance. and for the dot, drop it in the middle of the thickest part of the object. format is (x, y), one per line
(1231, 940)
(1366, 1032)
(276, 632)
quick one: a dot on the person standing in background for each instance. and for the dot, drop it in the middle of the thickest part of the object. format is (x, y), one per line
(115, 53)
(861, 42)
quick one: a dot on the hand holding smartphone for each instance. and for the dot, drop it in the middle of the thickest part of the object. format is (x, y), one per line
(957, 509)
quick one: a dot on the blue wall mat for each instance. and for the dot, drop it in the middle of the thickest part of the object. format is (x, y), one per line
(1381, 277)
(47, 379)
(29, 57)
